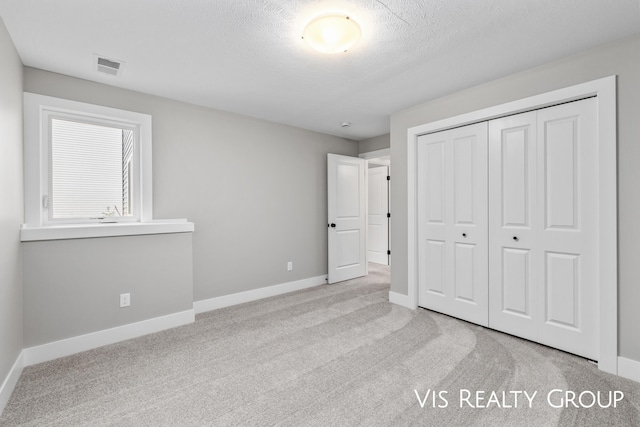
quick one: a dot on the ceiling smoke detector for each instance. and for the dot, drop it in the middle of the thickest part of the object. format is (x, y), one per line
(108, 66)
(345, 124)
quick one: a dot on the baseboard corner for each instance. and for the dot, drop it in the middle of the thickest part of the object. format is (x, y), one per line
(9, 383)
(400, 299)
(629, 369)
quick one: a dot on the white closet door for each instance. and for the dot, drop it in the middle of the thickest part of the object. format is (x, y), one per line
(452, 215)
(567, 208)
(543, 226)
(513, 224)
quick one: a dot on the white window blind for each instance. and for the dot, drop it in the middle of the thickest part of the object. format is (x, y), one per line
(90, 174)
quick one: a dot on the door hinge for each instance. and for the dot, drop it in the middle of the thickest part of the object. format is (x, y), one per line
(388, 178)
(388, 215)
(388, 252)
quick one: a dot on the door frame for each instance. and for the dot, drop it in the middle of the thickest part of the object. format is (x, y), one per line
(604, 90)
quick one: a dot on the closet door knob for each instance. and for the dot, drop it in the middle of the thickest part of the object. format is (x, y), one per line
(333, 225)
(464, 235)
(515, 238)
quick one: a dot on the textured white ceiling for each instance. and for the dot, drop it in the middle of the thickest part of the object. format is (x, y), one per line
(246, 56)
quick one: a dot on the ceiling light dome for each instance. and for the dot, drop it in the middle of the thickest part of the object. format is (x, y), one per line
(332, 33)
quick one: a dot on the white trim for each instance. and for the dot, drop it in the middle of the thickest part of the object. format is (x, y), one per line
(629, 369)
(203, 306)
(608, 226)
(400, 299)
(66, 347)
(83, 231)
(10, 381)
(375, 154)
(605, 91)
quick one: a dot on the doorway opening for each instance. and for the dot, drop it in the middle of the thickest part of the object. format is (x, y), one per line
(378, 206)
(378, 212)
(358, 213)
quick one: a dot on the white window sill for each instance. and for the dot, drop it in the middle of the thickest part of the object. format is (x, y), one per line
(85, 231)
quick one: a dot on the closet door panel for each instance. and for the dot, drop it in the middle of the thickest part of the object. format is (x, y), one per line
(434, 168)
(464, 164)
(464, 258)
(435, 268)
(513, 244)
(432, 226)
(515, 163)
(543, 225)
(453, 230)
(516, 297)
(561, 289)
(568, 205)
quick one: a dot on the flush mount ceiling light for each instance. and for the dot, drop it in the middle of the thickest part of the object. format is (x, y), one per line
(332, 33)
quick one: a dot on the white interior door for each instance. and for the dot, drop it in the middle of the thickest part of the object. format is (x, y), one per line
(543, 210)
(377, 220)
(452, 222)
(346, 217)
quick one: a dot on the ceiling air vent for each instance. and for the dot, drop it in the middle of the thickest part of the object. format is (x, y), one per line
(108, 66)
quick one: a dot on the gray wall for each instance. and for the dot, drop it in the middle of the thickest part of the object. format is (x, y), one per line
(375, 143)
(621, 58)
(12, 201)
(256, 190)
(73, 287)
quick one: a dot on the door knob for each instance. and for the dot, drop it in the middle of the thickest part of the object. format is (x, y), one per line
(464, 235)
(515, 238)
(333, 225)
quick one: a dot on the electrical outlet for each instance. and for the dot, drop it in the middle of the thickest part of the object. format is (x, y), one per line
(290, 266)
(125, 300)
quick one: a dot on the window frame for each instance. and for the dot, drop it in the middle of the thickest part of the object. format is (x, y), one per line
(38, 111)
(48, 115)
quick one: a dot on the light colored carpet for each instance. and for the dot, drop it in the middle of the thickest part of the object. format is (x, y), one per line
(327, 356)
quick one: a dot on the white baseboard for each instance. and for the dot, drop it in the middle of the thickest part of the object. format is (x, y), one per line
(66, 347)
(10, 381)
(628, 368)
(400, 299)
(256, 294)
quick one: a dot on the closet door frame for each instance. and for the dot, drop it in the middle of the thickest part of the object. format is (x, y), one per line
(604, 90)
